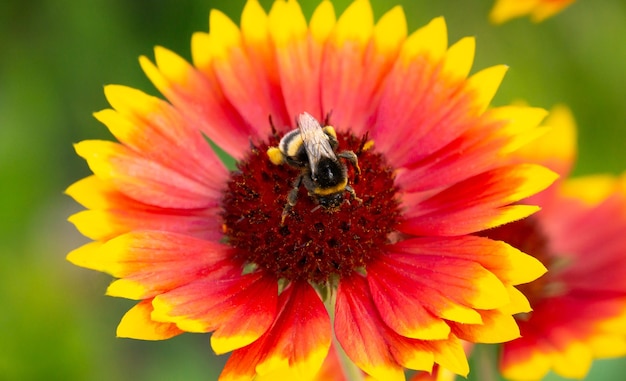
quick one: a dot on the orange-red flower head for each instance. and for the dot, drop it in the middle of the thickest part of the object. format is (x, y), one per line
(579, 306)
(393, 272)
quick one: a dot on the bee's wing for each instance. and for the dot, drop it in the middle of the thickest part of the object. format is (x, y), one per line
(315, 141)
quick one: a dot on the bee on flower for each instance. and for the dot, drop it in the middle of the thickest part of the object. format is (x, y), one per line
(360, 235)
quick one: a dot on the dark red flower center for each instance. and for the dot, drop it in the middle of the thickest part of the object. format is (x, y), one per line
(527, 235)
(313, 242)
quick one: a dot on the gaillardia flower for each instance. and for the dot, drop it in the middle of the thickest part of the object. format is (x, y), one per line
(390, 270)
(538, 10)
(579, 306)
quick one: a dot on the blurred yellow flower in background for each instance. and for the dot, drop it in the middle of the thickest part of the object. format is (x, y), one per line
(537, 10)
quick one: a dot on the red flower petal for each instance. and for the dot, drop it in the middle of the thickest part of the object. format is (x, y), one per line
(400, 118)
(350, 89)
(296, 344)
(146, 180)
(239, 308)
(153, 262)
(406, 287)
(398, 307)
(155, 130)
(478, 203)
(494, 134)
(243, 81)
(199, 98)
(558, 336)
(510, 265)
(110, 213)
(298, 52)
(359, 334)
(439, 101)
(377, 349)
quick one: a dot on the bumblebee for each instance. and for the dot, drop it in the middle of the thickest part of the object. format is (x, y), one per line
(313, 150)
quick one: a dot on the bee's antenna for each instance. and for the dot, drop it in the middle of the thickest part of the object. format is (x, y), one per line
(364, 141)
(272, 125)
(327, 118)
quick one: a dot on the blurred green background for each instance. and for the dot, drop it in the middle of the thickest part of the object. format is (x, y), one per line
(55, 57)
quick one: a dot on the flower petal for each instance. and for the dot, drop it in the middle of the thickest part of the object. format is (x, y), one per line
(417, 98)
(548, 9)
(579, 310)
(440, 107)
(341, 70)
(87, 256)
(466, 281)
(153, 262)
(239, 309)
(199, 97)
(484, 84)
(524, 362)
(479, 202)
(538, 10)
(381, 52)
(501, 131)
(298, 53)
(250, 90)
(145, 180)
(504, 10)
(110, 213)
(496, 327)
(460, 57)
(430, 41)
(399, 309)
(556, 149)
(359, 334)
(591, 190)
(332, 369)
(377, 349)
(413, 293)
(102, 225)
(296, 343)
(137, 324)
(519, 303)
(510, 265)
(157, 131)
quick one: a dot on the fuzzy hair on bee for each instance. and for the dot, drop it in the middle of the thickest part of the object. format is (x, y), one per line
(313, 149)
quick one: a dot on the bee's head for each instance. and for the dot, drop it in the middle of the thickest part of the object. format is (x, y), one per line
(332, 201)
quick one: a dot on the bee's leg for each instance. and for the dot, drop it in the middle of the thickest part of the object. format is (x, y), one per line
(353, 194)
(275, 155)
(352, 158)
(292, 198)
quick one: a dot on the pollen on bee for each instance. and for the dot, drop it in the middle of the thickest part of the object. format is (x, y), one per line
(276, 157)
(330, 130)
